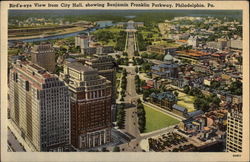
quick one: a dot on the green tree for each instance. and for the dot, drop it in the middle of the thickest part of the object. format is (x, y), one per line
(236, 87)
(120, 115)
(159, 57)
(186, 89)
(104, 149)
(146, 93)
(196, 92)
(201, 104)
(136, 69)
(136, 53)
(146, 67)
(125, 54)
(144, 55)
(116, 149)
(215, 84)
(143, 83)
(141, 117)
(176, 94)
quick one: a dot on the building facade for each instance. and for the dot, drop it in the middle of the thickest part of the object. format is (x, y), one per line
(160, 49)
(234, 129)
(235, 43)
(192, 41)
(90, 100)
(89, 47)
(105, 66)
(165, 100)
(39, 106)
(82, 41)
(219, 44)
(44, 56)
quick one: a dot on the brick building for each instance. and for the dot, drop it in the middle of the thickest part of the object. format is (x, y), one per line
(90, 100)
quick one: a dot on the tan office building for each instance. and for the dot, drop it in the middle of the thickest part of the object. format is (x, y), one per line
(44, 56)
(39, 106)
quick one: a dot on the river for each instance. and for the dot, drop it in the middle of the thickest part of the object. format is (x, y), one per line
(61, 36)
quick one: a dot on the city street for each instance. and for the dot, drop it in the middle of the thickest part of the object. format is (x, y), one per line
(131, 121)
(131, 45)
(13, 142)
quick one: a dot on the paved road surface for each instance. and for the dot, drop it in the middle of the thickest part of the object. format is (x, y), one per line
(14, 144)
(131, 45)
(131, 92)
(131, 121)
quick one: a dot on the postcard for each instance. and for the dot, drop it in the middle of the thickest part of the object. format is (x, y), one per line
(124, 81)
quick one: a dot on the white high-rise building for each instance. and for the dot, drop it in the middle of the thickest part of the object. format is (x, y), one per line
(39, 107)
(234, 130)
(192, 41)
(82, 41)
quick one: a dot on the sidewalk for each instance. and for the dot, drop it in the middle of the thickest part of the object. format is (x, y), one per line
(28, 147)
(14, 143)
(155, 133)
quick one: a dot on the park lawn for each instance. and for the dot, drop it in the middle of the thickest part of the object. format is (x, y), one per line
(109, 43)
(186, 101)
(156, 120)
(145, 34)
(164, 43)
(113, 30)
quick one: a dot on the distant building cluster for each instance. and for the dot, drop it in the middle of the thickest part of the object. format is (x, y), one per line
(130, 24)
(161, 49)
(89, 47)
(210, 123)
(212, 65)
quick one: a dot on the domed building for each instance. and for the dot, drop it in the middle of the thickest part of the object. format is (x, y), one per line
(167, 70)
(168, 58)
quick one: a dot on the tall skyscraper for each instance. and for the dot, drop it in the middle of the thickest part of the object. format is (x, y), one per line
(39, 106)
(90, 100)
(234, 129)
(105, 66)
(44, 56)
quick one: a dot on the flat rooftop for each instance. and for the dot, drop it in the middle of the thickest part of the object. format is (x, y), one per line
(193, 53)
(80, 67)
